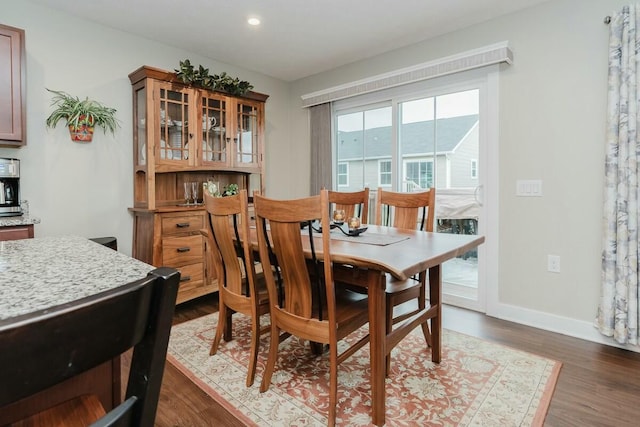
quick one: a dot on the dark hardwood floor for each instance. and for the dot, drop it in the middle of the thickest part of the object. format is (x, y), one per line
(598, 385)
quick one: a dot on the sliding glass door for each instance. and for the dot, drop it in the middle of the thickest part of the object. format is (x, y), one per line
(439, 146)
(416, 141)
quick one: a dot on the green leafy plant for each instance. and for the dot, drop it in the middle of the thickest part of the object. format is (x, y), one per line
(200, 77)
(229, 84)
(230, 190)
(79, 112)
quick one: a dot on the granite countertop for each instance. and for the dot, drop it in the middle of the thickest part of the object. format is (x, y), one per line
(9, 221)
(39, 273)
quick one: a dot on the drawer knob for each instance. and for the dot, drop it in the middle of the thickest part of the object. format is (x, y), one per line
(182, 224)
(185, 249)
(185, 278)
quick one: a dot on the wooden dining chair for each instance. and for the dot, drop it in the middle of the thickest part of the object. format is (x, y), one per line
(240, 288)
(410, 211)
(39, 350)
(311, 307)
(354, 203)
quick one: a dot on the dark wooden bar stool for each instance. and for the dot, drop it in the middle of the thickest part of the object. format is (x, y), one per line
(110, 242)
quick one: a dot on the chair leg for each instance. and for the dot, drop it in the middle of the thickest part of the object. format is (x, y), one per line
(255, 345)
(388, 328)
(228, 334)
(273, 356)
(317, 348)
(222, 321)
(422, 304)
(333, 385)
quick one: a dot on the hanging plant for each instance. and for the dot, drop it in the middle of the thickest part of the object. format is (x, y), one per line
(81, 116)
(200, 77)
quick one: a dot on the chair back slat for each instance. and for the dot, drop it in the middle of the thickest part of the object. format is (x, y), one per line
(287, 246)
(288, 243)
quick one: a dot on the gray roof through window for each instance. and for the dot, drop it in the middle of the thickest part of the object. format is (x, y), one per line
(415, 138)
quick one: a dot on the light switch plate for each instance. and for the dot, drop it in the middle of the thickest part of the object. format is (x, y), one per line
(529, 188)
(553, 263)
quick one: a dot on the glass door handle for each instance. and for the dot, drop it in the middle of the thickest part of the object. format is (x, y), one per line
(476, 192)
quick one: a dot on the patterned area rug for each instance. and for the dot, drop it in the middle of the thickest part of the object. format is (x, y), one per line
(477, 383)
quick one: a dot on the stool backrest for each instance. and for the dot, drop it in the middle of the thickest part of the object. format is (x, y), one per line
(41, 349)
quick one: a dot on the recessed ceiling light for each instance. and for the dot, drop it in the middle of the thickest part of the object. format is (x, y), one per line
(253, 21)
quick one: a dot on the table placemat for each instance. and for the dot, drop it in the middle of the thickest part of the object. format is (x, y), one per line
(367, 237)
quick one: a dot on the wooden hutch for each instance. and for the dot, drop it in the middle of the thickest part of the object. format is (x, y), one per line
(184, 134)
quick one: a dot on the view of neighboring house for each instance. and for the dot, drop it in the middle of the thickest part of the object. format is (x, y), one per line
(450, 148)
(445, 155)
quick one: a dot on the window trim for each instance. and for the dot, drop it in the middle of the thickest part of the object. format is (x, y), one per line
(346, 164)
(390, 173)
(474, 59)
(418, 160)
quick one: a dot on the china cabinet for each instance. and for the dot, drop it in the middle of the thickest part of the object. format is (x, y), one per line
(12, 87)
(184, 137)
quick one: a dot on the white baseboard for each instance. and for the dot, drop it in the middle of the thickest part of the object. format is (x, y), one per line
(551, 322)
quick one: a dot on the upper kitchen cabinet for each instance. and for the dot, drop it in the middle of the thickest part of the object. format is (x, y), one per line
(12, 87)
(183, 132)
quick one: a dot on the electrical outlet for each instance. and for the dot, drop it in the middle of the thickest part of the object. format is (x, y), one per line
(553, 263)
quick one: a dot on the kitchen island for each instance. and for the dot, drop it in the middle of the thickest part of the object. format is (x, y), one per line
(37, 274)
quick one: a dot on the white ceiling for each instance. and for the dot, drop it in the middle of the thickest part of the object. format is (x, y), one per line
(297, 38)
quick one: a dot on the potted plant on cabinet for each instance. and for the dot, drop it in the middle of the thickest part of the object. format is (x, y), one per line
(81, 115)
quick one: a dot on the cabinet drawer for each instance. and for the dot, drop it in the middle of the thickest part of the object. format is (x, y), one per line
(180, 251)
(16, 232)
(191, 276)
(182, 224)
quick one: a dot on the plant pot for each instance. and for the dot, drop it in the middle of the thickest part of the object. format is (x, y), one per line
(82, 133)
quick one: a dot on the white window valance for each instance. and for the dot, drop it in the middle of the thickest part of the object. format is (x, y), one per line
(476, 58)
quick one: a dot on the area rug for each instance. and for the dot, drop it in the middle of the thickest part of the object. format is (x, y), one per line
(478, 383)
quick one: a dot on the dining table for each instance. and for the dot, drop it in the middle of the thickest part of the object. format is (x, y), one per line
(380, 250)
(41, 273)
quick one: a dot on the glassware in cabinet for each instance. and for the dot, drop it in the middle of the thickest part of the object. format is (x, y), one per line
(140, 121)
(214, 131)
(247, 148)
(173, 125)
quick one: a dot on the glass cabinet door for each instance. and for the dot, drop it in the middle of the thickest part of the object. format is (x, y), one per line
(214, 133)
(140, 122)
(247, 149)
(173, 124)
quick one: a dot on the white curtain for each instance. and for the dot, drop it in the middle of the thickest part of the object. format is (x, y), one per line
(618, 308)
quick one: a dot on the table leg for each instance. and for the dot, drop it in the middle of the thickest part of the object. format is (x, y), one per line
(435, 299)
(377, 335)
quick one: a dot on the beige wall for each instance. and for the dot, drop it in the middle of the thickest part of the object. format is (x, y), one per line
(85, 189)
(552, 127)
